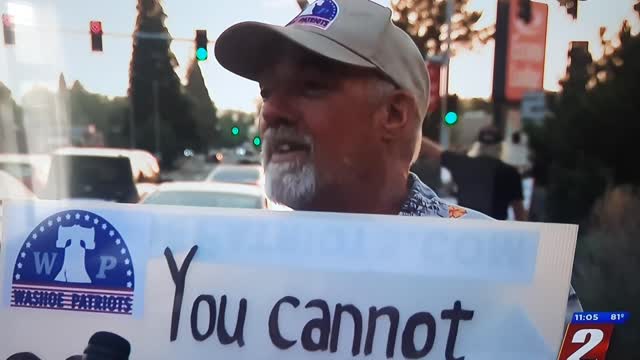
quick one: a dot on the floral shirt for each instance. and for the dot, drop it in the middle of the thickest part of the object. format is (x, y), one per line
(422, 201)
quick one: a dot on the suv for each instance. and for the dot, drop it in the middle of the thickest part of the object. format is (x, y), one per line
(107, 178)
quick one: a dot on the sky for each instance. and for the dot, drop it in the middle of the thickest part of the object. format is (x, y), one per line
(52, 37)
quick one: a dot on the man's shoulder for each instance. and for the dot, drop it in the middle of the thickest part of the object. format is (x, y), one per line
(423, 201)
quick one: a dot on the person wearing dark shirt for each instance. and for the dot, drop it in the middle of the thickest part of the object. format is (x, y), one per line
(485, 183)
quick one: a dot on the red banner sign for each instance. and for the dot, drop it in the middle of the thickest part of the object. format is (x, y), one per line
(526, 51)
(434, 87)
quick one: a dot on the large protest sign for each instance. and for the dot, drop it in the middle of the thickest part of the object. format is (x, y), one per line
(182, 283)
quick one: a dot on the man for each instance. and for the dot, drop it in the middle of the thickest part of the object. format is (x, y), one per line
(485, 183)
(344, 93)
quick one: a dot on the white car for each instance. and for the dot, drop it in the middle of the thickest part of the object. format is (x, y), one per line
(238, 174)
(211, 194)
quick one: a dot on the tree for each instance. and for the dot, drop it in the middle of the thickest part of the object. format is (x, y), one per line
(426, 22)
(205, 111)
(588, 149)
(161, 110)
(12, 132)
(232, 118)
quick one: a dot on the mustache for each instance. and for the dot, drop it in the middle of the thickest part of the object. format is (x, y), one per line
(273, 137)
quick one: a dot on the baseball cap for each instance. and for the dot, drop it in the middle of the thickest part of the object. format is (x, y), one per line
(489, 135)
(354, 32)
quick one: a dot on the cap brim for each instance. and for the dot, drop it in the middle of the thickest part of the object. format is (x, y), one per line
(246, 48)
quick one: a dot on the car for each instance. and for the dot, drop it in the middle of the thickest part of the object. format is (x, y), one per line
(238, 174)
(144, 166)
(211, 194)
(76, 176)
(31, 169)
(12, 188)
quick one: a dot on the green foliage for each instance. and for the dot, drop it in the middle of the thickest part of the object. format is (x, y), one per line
(110, 116)
(230, 118)
(586, 156)
(425, 21)
(204, 110)
(12, 132)
(155, 89)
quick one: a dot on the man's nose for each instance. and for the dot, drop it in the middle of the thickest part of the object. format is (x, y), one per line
(277, 111)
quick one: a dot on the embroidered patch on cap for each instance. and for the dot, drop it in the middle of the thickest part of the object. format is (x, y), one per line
(320, 13)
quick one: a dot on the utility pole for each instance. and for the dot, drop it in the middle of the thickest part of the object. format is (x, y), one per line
(446, 62)
(500, 64)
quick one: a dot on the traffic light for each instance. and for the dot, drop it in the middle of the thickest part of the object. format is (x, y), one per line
(95, 27)
(257, 141)
(524, 10)
(9, 29)
(235, 131)
(451, 118)
(201, 45)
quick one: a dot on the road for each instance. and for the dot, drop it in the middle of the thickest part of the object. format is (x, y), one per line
(191, 169)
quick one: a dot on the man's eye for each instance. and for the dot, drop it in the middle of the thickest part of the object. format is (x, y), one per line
(314, 87)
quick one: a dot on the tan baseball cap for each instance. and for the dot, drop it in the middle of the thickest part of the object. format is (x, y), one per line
(354, 32)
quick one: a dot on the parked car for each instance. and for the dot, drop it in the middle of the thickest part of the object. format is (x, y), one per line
(144, 166)
(81, 176)
(210, 194)
(31, 169)
(238, 174)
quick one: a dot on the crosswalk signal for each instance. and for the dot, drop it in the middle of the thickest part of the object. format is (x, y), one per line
(95, 27)
(9, 29)
(201, 45)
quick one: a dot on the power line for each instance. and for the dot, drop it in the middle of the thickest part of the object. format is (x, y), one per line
(138, 34)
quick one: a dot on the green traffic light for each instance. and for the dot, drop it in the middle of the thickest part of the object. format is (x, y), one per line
(202, 54)
(257, 141)
(235, 131)
(451, 118)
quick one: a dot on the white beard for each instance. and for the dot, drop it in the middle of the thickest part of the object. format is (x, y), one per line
(290, 183)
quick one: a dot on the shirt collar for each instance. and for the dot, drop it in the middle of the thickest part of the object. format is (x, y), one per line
(422, 201)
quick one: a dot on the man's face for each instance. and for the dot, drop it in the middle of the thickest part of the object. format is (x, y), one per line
(317, 126)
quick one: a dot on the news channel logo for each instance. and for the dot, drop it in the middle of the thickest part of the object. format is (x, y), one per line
(589, 334)
(75, 261)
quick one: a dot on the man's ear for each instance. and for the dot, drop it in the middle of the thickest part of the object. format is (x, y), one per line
(397, 119)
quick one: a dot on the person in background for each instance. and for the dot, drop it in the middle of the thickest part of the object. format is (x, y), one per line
(485, 183)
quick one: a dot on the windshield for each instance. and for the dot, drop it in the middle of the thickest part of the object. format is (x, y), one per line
(236, 175)
(205, 199)
(453, 175)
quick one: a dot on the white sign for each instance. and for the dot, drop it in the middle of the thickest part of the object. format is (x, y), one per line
(183, 283)
(534, 106)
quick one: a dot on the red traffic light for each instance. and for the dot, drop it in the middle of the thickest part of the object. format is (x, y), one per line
(95, 27)
(8, 29)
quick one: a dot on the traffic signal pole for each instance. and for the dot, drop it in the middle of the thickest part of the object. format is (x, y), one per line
(444, 130)
(500, 64)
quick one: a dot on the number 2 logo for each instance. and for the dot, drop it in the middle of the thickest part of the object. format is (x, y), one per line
(580, 337)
